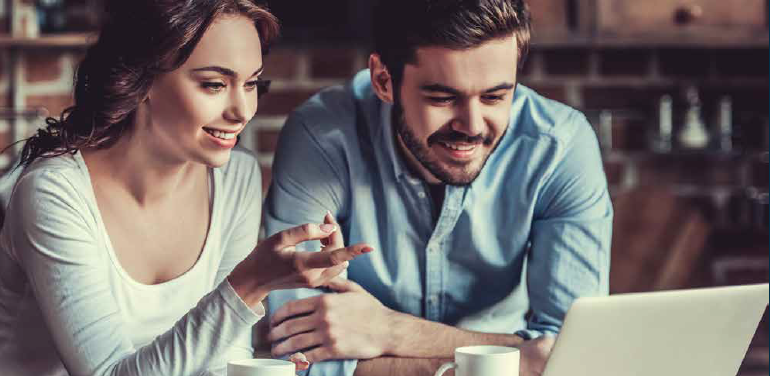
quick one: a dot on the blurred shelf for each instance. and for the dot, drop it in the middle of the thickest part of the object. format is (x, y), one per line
(64, 40)
(677, 154)
(705, 40)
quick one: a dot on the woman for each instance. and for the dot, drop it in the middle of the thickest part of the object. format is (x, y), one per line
(129, 243)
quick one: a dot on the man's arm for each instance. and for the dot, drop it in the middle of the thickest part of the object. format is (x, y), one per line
(533, 355)
(305, 185)
(354, 324)
(393, 366)
(571, 233)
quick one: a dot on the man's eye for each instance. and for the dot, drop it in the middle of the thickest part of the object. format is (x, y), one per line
(213, 86)
(441, 100)
(493, 98)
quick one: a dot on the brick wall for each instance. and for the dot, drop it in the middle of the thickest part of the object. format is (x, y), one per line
(719, 200)
(724, 195)
(729, 190)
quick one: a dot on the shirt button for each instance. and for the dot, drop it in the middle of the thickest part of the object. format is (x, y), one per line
(421, 194)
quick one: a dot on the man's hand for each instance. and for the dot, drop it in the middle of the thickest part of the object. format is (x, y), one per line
(534, 354)
(349, 325)
(346, 325)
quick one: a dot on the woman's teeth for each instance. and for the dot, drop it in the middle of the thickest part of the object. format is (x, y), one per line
(459, 147)
(220, 134)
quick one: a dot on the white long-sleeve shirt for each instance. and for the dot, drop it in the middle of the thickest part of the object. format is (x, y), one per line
(67, 307)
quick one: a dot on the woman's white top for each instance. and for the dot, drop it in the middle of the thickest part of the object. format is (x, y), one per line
(67, 307)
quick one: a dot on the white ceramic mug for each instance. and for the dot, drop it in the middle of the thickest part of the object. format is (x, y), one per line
(260, 367)
(483, 361)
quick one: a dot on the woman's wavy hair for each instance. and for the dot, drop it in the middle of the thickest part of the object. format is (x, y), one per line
(139, 40)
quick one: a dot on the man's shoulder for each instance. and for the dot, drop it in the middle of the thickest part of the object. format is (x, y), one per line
(338, 109)
(337, 105)
(537, 116)
(336, 119)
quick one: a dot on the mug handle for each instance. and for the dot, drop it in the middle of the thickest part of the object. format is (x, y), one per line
(445, 367)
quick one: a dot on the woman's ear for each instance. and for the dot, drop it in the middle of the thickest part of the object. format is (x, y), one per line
(381, 80)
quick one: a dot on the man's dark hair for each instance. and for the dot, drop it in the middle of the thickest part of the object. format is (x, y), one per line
(403, 26)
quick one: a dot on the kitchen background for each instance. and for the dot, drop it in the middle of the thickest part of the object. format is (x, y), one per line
(677, 91)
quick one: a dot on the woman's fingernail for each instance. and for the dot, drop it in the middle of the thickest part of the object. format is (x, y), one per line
(367, 250)
(328, 228)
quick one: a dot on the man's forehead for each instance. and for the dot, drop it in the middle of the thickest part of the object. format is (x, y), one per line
(489, 64)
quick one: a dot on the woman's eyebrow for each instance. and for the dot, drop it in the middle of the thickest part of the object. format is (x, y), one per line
(225, 71)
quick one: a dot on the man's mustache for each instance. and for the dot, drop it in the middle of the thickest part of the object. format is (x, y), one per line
(453, 136)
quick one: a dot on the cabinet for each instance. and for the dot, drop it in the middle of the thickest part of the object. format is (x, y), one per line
(628, 23)
(705, 22)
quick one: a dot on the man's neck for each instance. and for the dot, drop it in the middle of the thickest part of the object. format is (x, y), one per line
(412, 164)
(435, 186)
(437, 197)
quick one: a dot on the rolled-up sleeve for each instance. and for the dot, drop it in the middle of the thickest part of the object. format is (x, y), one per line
(305, 184)
(571, 232)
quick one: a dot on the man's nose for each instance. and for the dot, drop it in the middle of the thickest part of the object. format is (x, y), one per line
(470, 119)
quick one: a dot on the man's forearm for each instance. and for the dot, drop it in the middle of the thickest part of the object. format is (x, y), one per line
(414, 337)
(393, 366)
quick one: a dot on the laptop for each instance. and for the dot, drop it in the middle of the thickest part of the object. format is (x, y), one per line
(699, 332)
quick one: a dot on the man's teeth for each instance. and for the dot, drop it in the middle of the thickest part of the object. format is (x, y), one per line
(220, 134)
(459, 147)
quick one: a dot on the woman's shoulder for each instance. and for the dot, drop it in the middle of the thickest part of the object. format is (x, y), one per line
(49, 197)
(56, 175)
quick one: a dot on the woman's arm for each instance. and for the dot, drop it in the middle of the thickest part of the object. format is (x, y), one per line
(55, 239)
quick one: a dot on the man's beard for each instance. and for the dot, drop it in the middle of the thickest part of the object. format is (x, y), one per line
(463, 174)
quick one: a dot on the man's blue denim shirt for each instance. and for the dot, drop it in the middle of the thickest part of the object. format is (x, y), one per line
(508, 253)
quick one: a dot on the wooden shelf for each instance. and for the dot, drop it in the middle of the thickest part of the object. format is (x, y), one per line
(66, 40)
(707, 40)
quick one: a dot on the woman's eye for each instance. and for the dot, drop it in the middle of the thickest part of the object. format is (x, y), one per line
(213, 87)
(252, 85)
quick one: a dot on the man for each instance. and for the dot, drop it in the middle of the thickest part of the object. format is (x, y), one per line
(486, 203)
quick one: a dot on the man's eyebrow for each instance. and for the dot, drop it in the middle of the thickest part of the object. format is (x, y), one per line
(503, 86)
(452, 91)
(440, 88)
(225, 71)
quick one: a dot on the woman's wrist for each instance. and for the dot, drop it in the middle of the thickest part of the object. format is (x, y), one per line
(247, 287)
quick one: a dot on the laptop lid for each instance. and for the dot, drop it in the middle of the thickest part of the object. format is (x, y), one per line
(703, 332)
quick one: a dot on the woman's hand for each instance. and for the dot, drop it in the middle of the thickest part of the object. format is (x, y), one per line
(276, 265)
(300, 361)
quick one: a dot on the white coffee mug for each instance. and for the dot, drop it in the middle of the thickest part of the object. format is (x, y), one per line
(483, 361)
(260, 367)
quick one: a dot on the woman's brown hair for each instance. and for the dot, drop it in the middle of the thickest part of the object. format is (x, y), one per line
(139, 40)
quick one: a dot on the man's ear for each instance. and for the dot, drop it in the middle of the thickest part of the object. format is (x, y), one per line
(381, 80)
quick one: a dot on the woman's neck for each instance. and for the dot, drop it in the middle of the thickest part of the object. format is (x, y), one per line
(141, 169)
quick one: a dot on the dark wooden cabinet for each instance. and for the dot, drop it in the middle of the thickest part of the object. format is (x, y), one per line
(701, 23)
(683, 21)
